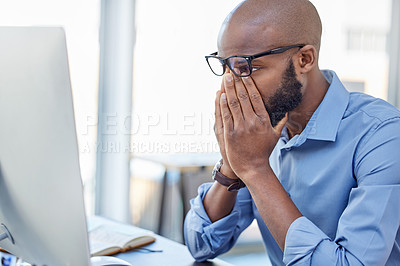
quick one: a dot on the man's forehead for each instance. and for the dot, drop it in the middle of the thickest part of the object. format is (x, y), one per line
(255, 26)
(245, 39)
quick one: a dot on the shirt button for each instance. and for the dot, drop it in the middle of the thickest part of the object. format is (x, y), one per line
(288, 149)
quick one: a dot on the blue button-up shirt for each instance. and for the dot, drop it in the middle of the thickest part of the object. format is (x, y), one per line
(343, 174)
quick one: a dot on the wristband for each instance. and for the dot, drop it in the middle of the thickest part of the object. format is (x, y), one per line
(231, 184)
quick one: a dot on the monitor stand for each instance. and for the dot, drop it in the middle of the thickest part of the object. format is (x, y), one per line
(4, 234)
(94, 261)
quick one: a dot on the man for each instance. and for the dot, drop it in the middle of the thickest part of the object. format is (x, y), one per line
(319, 164)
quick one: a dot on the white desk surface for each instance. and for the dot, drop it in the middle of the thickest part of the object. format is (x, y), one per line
(173, 254)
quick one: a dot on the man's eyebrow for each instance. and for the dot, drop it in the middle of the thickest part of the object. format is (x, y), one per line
(257, 60)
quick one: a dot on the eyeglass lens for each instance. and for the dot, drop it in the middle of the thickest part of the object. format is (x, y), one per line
(239, 65)
(216, 66)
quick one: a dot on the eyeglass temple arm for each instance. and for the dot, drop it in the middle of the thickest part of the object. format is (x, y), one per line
(211, 55)
(276, 51)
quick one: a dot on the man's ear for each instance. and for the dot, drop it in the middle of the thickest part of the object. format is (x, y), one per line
(307, 58)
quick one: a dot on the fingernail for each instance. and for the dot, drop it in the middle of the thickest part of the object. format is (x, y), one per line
(229, 78)
(223, 97)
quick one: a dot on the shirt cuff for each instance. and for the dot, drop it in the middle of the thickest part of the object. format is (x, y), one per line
(302, 239)
(214, 234)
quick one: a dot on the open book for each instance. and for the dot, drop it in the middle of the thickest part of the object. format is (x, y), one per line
(108, 237)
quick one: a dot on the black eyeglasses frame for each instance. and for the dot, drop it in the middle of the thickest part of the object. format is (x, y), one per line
(249, 58)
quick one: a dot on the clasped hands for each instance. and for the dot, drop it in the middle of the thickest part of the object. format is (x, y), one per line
(243, 129)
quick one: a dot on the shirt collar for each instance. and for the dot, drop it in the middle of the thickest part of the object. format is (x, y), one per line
(325, 121)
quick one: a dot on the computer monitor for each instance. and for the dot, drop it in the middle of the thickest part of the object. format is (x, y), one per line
(41, 195)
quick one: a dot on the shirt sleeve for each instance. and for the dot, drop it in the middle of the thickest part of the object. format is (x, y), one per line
(368, 226)
(206, 240)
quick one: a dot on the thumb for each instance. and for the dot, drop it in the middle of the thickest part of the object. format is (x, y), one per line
(278, 128)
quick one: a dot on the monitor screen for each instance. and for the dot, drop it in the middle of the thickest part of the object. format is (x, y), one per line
(41, 195)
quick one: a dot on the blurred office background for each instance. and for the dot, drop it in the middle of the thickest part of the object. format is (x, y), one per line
(171, 141)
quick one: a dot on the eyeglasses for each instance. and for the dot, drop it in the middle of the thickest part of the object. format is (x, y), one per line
(240, 65)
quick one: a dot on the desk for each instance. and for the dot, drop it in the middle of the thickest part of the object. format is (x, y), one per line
(174, 254)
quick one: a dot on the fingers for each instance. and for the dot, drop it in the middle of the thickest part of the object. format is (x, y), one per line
(222, 86)
(232, 100)
(278, 128)
(227, 118)
(243, 97)
(255, 98)
(218, 127)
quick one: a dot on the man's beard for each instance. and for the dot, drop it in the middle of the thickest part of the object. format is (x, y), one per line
(287, 97)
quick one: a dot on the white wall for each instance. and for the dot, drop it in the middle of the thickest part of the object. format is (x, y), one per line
(174, 88)
(363, 65)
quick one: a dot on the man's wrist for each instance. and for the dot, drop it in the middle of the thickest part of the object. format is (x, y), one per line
(254, 174)
(231, 184)
(228, 172)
